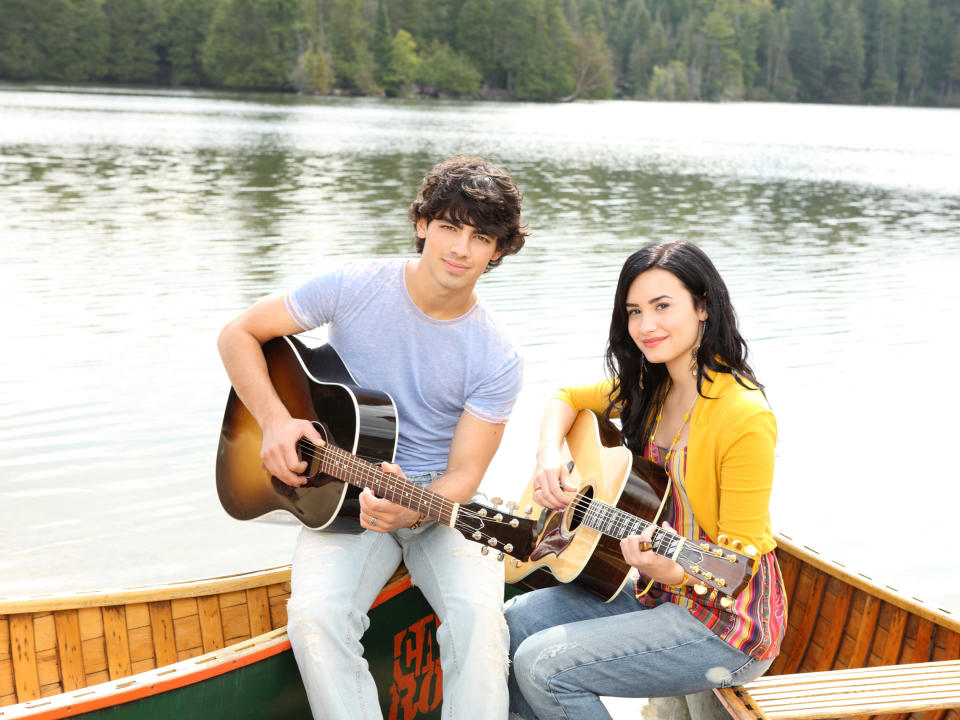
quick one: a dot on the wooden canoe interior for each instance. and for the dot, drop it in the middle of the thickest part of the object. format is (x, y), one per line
(50, 646)
(840, 620)
(837, 620)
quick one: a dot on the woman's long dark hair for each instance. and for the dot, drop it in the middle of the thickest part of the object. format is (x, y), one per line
(722, 347)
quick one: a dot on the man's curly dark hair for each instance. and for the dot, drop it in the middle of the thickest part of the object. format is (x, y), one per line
(471, 191)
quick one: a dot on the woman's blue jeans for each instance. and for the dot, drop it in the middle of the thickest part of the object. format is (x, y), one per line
(569, 647)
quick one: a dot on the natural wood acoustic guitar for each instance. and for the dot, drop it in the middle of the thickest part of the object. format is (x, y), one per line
(619, 494)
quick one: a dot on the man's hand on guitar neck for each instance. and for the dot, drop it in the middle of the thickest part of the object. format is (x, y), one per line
(278, 453)
(381, 515)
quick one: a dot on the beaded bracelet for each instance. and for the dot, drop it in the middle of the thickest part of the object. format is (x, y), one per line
(418, 523)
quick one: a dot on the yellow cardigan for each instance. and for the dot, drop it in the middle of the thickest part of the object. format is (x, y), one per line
(730, 455)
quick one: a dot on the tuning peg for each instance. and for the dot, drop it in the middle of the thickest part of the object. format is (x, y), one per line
(508, 548)
(498, 518)
(511, 506)
(484, 550)
(705, 547)
(718, 552)
(726, 602)
(694, 569)
(514, 522)
(713, 595)
(477, 536)
(723, 539)
(708, 576)
(528, 510)
(750, 550)
(482, 512)
(492, 542)
(721, 582)
(498, 501)
(699, 588)
(737, 545)
(516, 563)
(500, 557)
(732, 558)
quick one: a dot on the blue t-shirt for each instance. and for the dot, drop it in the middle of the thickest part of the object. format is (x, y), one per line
(433, 369)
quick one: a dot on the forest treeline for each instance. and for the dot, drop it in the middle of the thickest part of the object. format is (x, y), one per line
(841, 51)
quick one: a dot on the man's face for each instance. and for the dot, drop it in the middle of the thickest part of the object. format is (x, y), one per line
(456, 254)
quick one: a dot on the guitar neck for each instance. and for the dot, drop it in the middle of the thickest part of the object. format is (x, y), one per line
(618, 524)
(361, 473)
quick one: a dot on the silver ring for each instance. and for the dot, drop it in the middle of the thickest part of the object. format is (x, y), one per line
(373, 521)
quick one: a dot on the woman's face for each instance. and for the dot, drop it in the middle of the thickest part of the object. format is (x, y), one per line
(663, 319)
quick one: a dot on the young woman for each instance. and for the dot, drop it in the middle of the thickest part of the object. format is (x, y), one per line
(687, 400)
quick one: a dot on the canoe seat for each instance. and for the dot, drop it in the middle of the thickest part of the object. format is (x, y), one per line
(846, 693)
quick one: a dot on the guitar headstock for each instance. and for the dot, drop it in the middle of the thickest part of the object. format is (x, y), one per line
(724, 569)
(498, 529)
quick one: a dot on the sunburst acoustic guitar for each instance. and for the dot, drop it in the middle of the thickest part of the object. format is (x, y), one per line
(360, 430)
(618, 495)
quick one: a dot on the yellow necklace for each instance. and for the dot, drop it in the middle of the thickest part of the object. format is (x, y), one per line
(673, 443)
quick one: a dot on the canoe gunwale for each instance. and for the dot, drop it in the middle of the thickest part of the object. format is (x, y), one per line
(151, 682)
(911, 604)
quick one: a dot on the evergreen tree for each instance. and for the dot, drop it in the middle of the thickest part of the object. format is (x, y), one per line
(91, 40)
(914, 22)
(35, 39)
(845, 68)
(545, 69)
(135, 35)
(882, 50)
(252, 44)
(807, 56)
(382, 49)
(444, 71)
(187, 27)
(353, 62)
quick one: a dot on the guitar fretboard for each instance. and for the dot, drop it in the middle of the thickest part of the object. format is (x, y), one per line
(361, 473)
(618, 524)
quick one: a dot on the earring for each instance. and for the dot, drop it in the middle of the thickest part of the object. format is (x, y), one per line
(696, 349)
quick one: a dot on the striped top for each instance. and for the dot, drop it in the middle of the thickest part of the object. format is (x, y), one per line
(755, 623)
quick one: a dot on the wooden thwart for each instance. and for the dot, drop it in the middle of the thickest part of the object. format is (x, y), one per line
(845, 693)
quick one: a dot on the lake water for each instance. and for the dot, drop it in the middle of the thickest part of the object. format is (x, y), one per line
(134, 224)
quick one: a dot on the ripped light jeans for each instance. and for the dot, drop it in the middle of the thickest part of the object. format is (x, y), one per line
(569, 647)
(336, 577)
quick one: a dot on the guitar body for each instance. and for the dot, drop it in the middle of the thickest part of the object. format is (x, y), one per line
(313, 384)
(568, 551)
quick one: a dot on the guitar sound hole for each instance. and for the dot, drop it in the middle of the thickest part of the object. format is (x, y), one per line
(578, 508)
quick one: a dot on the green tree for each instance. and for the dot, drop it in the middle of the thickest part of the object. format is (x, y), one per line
(592, 65)
(187, 26)
(545, 70)
(444, 71)
(313, 73)
(914, 22)
(632, 48)
(845, 67)
(135, 35)
(807, 49)
(91, 40)
(883, 34)
(670, 83)
(723, 70)
(353, 62)
(35, 39)
(252, 44)
(382, 49)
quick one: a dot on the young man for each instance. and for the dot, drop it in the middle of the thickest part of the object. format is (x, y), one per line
(416, 330)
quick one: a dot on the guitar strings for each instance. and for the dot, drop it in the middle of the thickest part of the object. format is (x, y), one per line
(604, 512)
(375, 475)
